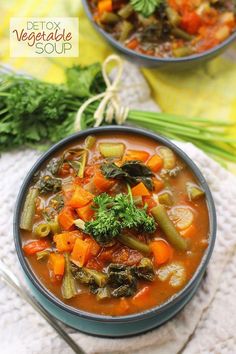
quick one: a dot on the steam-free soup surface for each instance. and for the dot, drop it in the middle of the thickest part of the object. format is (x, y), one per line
(114, 225)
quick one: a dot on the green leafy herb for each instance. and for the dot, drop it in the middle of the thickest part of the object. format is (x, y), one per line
(49, 184)
(132, 172)
(113, 214)
(146, 7)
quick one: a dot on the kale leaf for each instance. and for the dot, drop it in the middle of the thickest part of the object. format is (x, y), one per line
(132, 172)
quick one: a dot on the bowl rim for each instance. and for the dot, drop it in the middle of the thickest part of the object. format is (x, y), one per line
(132, 53)
(107, 318)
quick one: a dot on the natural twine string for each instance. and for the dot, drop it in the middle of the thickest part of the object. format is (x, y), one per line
(110, 106)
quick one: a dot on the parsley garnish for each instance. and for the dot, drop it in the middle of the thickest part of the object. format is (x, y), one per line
(146, 7)
(113, 214)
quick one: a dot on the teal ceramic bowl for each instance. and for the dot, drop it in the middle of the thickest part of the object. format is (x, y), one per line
(107, 325)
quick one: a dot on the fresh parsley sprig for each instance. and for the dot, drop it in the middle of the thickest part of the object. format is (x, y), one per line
(114, 214)
(146, 7)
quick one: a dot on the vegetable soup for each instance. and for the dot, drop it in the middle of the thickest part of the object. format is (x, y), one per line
(114, 225)
(166, 28)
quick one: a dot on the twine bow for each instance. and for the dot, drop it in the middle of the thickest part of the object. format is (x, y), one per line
(110, 107)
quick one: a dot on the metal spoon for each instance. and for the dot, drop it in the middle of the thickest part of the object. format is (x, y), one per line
(10, 279)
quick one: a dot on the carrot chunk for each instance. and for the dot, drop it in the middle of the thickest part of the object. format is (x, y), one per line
(65, 241)
(155, 163)
(161, 250)
(85, 213)
(158, 185)
(81, 252)
(104, 6)
(56, 265)
(94, 246)
(80, 197)
(133, 43)
(140, 190)
(35, 246)
(142, 296)
(101, 182)
(66, 218)
(136, 155)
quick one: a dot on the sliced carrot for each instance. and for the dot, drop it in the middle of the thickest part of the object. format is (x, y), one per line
(35, 246)
(161, 250)
(56, 264)
(122, 306)
(140, 190)
(142, 296)
(158, 184)
(81, 252)
(155, 163)
(101, 182)
(189, 232)
(105, 6)
(136, 155)
(66, 218)
(133, 43)
(66, 241)
(94, 246)
(80, 197)
(85, 213)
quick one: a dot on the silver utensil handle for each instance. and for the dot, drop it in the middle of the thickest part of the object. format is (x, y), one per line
(23, 292)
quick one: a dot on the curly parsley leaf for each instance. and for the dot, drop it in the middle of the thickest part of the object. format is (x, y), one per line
(146, 7)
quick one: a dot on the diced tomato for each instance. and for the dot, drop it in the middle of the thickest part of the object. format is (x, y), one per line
(191, 22)
(95, 263)
(124, 255)
(150, 202)
(35, 246)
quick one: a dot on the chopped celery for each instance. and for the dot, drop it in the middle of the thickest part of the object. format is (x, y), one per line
(68, 287)
(125, 30)
(126, 11)
(80, 224)
(194, 192)
(112, 149)
(165, 198)
(173, 236)
(134, 243)
(90, 141)
(173, 16)
(109, 18)
(27, 216)
(182, 52)
(169, 160)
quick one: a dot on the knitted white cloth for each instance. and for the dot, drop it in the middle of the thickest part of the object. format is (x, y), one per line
(206, 325)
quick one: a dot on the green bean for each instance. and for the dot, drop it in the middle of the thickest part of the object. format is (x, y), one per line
(54, 226)
(173, 236)
(27, 216)
(126, 11)
(42, 230)
(134, 243)
(68, 288)
(109, 18)
(182, 34)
